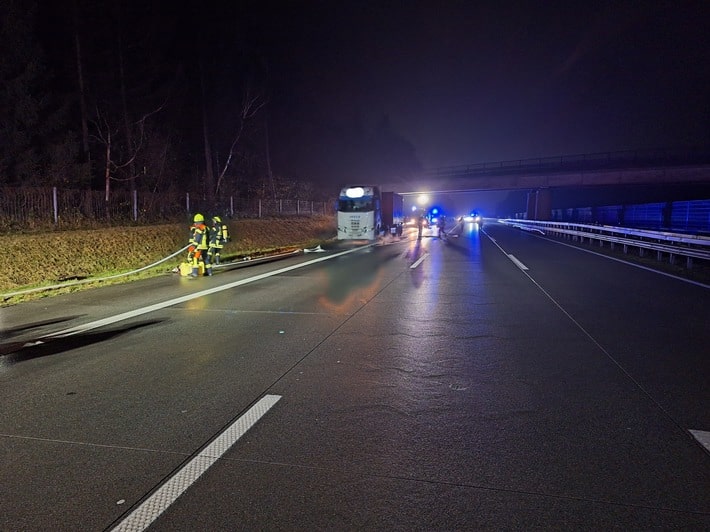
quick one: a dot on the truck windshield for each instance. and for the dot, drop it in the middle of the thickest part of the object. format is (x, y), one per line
(355, 205)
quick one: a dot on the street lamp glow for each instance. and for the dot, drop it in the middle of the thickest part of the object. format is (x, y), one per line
(422, 199)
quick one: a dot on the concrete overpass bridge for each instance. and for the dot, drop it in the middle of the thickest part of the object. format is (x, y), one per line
(539, 176)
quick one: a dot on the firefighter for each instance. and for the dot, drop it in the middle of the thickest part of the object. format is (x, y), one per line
(442, 226)
(219, 236)
(197, 252)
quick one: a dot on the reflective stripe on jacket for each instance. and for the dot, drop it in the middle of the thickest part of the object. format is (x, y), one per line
(198, 236)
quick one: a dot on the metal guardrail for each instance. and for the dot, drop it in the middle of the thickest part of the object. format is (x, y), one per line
(663, 243)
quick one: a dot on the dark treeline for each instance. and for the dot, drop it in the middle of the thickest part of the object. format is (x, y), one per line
(145, 95)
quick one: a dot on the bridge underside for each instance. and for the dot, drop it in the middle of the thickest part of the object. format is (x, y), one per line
(539, 183)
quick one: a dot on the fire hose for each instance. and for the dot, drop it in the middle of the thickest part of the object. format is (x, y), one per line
(93, 280)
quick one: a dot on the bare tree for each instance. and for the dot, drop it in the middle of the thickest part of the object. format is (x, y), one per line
(209, 172)
(82, 91)
(251, 104)
(105, 135)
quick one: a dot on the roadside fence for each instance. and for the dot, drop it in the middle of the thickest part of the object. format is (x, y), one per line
(682, 216)
(53, 207)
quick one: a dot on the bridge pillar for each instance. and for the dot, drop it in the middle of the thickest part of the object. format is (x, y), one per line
(539, 205)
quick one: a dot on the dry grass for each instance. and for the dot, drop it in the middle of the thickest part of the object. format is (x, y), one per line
(34, 260)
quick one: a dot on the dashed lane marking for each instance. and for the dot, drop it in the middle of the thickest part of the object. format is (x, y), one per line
(419, 261)
(517, 262)
(143, 516)
(703, 437)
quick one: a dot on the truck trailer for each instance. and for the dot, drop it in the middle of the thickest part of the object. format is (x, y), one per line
(392, 213)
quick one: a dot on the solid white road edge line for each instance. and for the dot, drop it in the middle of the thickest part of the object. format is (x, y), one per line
(151, 308)
(419, 261)
(143, 516)
(517, 262)
(703, 437)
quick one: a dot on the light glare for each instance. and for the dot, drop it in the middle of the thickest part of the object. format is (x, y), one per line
(355, 192)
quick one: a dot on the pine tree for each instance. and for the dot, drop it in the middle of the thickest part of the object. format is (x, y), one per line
(36, 147)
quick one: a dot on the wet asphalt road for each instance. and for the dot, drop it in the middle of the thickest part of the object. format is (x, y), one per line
(492, 381)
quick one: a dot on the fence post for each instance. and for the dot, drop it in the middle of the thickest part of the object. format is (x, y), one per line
(231, 206)
(259, 207)
(135, 205)
(55, 205)
(187, 202)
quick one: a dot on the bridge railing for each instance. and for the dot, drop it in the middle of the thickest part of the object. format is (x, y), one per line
(664, 244)
(583, 161)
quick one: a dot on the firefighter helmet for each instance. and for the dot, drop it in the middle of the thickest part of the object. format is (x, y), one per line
(217, 219)
(198, 218)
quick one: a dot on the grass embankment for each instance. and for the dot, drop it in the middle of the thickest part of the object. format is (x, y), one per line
(35, 260)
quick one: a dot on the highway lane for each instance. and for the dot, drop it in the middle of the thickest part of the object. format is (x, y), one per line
(654, 327)
(456, 394)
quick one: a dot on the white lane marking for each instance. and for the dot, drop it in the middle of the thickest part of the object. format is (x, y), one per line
(517, 262)
(598, 345)
(419, 261)
(143, 516)
(703, 437)
(509, 255)
(152, 308)
(628, 263)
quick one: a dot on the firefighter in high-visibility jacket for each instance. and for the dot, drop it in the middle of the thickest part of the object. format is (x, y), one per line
(199, 241)
(219, 236)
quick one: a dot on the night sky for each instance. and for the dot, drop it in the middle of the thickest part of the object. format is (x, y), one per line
(467, 82)
(443, 82)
